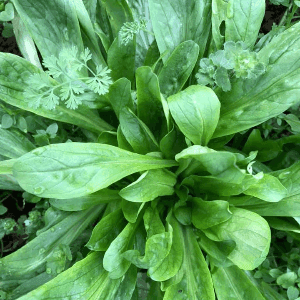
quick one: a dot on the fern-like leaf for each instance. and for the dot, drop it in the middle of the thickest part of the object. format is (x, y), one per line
(45, 92)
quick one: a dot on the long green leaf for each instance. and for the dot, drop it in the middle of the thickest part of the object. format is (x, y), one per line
(178, 68)
(233, 284)
(32, 257)
(86, 280)
(195, 282)
(251, 102)
(14, 144)
(14, 72)
(59, 16)
(149, 103)
(71, 170)
(85, 202)
(176, 21)
(242, 21)
(150, 185)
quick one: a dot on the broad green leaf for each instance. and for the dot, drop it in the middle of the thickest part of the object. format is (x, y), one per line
(290, 178)
(61, 17)
(150, 185)
(171, 264)
(32, 257)
(250, 232)
(236, 20)
(114, 261)
(214, 162)
(206, 214)
(267, 149)
(144, 39)
(218, 251)
(157, 248)
(158, 243)
(106, 231)
(251, 102)
(172, 143)
(121, 59)
(267, 188)
(85, 202)
(287, 207)
(191, 286)
(183, 209)
(149, 103)
(232, 283)
(86, 280)
(14, 144)
(78, 169)
(196, 112)
(219, 186)
(137, 133)
(131, 210)
(283, 224)
(176, 21)
(118, 12)
(14, 75)
(119, 95)
(178, 68)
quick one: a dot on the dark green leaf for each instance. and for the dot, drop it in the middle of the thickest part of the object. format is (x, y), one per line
(242, 21)
(13, 144)
(149, 103)
(121, 59)
(232, 283)
(137, 133)
(106, 231)
(178, 68)
(181, 20)
(120, 95)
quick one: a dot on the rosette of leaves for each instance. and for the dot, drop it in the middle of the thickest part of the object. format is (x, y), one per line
(235, 61)
(156, 179)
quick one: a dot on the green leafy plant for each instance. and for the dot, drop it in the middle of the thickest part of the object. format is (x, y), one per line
(147, 182)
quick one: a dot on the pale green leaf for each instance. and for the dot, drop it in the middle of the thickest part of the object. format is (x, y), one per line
(78, 169)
